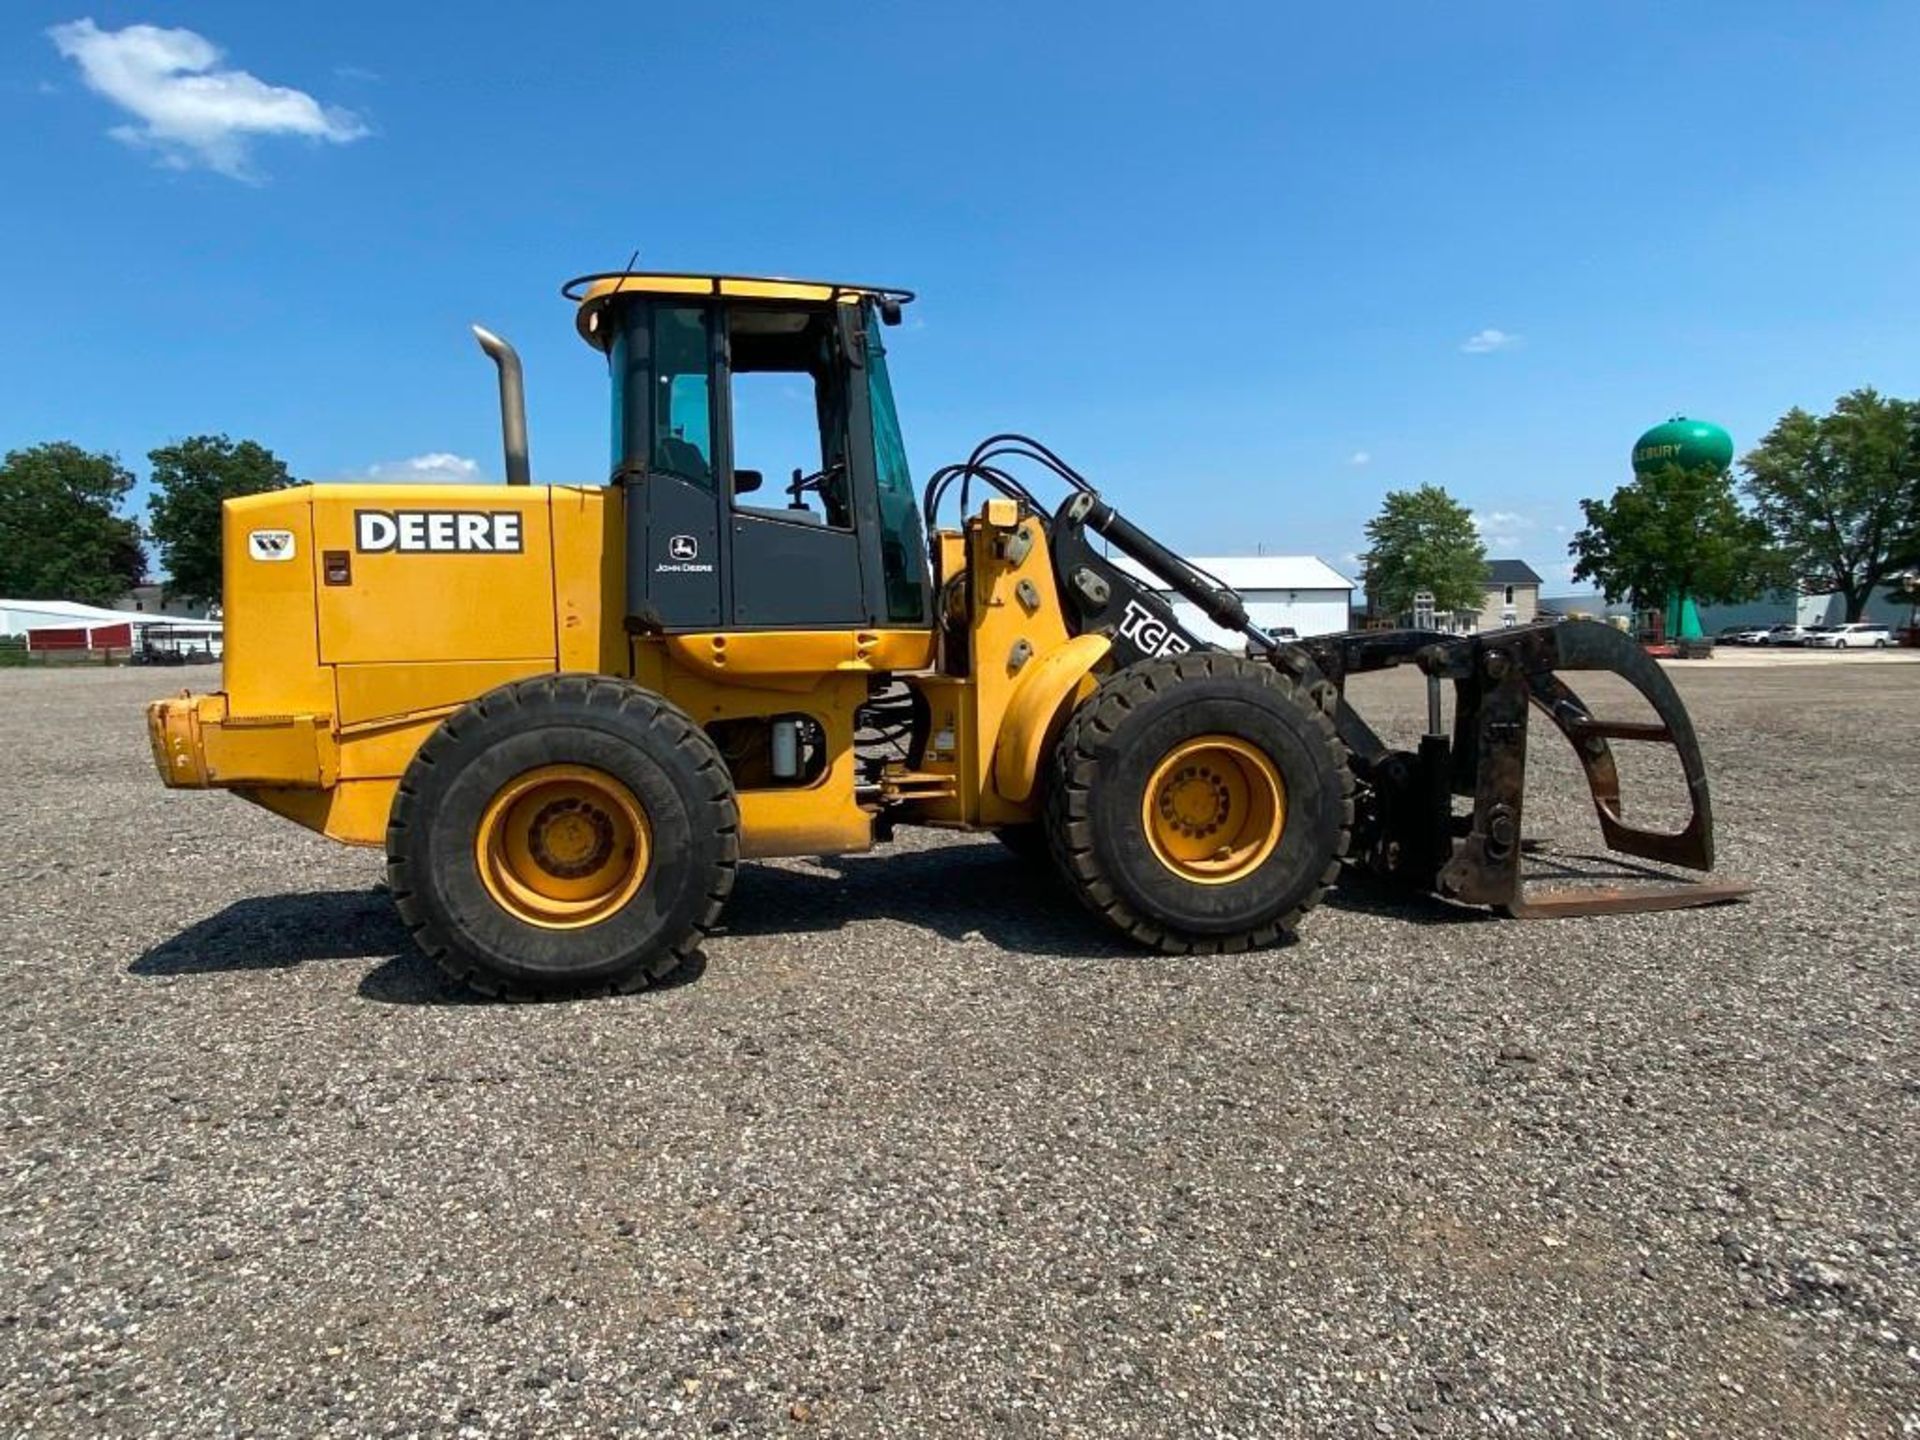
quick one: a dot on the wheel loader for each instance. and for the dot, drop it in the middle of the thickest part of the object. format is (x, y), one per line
(567, 712)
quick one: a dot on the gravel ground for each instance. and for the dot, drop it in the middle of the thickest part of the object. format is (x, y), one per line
(919, 1150)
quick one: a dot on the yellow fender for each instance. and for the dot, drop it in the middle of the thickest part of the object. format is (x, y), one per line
(1040, 705)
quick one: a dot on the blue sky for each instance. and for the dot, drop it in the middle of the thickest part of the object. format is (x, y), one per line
(1249, 266)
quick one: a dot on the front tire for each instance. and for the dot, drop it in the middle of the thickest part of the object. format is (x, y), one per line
(1200, 803)
(563, 835)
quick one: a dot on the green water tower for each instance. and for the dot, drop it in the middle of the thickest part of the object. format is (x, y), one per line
(1689, 445)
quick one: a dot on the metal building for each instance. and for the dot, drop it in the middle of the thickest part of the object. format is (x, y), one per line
(1301, 592)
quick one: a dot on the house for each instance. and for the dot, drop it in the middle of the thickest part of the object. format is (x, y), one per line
(1298, 592)
(1510, 596)
(153, 599)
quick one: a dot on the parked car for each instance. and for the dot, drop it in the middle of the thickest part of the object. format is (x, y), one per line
(1744, 635)
(1860, 634)
(1784, 635)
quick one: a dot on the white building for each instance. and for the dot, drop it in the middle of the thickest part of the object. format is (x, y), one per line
(1301, 592)
(19, 616)
(118, 628)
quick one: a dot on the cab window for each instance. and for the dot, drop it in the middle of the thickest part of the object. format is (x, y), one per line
(683, 396)
(662, 398)
(903, 551)
(789, 422)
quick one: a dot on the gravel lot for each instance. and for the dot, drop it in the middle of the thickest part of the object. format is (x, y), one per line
(919, 1150)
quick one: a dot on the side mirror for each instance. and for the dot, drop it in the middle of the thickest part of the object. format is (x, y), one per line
(745, 481)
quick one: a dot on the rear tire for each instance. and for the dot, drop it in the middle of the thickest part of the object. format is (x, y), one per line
(563, 835)
(1200, 803)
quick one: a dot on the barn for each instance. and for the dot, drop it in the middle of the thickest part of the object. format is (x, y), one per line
(69, 626)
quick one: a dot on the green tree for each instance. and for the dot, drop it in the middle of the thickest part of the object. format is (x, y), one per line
(1841, 493)
(190, 481)
(1424, 540)
(60, 538)
(1674, 529)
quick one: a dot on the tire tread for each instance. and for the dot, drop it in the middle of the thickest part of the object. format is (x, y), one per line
(588, 691)
(1074, 768)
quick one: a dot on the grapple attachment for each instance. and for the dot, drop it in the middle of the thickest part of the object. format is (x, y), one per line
(1406, 828)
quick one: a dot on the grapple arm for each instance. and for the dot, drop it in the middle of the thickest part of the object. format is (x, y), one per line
(1409, 828)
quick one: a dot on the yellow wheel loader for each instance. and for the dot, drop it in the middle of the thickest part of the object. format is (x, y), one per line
(568, 712)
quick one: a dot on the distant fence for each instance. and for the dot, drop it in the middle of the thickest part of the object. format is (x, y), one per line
(14, 655)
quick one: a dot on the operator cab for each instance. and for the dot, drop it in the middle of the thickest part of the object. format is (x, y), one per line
(755, 439)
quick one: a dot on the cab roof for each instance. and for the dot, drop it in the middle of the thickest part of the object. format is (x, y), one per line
(592, 293)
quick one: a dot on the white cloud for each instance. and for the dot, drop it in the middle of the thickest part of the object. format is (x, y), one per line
(1502, 529)
(1500, 519)
(437, 467)
(189, 112)
(1360, 457)
(1485, 342)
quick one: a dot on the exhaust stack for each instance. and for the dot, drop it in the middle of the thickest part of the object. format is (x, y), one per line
(513, 404)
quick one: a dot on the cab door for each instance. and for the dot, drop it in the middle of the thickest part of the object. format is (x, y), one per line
(664, 425)
(793, 470)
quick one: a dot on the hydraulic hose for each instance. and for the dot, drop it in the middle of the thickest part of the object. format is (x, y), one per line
(1219, 603)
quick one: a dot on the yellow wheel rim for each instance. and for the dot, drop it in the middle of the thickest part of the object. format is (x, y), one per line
(1214, 809)
(563, 846)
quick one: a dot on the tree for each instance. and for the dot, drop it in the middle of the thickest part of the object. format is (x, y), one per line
(190, 480)
(60, 538)
(1424, 540)
(1841, 493)
(1674, 530)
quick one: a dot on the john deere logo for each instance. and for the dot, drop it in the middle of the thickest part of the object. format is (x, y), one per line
(438, 532)
(683, 558)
